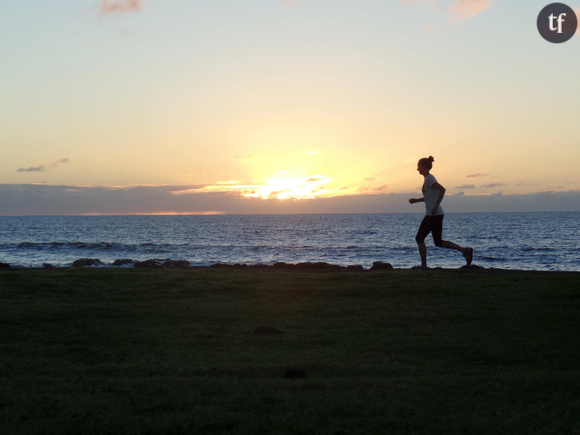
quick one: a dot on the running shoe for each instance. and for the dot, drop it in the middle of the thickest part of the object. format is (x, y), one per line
(468, 255)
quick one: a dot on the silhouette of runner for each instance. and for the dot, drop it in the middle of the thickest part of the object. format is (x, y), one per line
(433, 193)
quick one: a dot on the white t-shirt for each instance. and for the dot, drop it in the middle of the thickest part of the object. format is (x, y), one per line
(430, 194)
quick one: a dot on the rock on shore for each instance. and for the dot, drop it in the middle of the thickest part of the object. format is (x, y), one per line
(155, 262)
(84, 262)
(123, 262)
(379, 265)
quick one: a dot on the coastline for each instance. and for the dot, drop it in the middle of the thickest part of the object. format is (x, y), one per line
(505, 241)
(283, 266)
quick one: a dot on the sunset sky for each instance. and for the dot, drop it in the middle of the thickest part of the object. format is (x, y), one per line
(273, 106)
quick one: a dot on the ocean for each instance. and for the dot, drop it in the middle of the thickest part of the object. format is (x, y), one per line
(530, 241)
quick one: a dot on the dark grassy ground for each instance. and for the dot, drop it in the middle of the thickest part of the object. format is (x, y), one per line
(173, 352)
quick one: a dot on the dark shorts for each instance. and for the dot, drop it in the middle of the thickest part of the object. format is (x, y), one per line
(433, 225)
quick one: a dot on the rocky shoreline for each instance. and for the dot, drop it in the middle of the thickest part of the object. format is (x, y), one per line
(155, 263)
(167, 263)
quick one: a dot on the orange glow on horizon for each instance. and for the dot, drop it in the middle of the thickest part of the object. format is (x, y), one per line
(161, 213)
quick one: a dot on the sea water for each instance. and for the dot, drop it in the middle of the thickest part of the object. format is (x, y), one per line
(532, 241)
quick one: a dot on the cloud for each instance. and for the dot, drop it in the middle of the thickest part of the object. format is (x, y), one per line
(467, 8)
(40, 168)
(459, 9)
(44, 168)
(245, 158)
(370, 189)
(370, 178)
(283, 188)
(36, 199)
(274, 194)
(489, 186)
(479, 174)
(466, 186)
(108, 7)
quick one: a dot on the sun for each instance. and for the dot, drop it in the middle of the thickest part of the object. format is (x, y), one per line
(291, 188)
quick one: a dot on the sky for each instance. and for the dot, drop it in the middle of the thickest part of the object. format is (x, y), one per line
(284, 106)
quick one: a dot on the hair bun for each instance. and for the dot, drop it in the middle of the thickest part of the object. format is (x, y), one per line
(431, 159)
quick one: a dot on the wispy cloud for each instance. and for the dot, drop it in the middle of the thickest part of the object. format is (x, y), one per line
(40, 168)
(492, 185)
(108, 7)
(459, 9)
(466, 186)
(467, 8)
(370, 178)
(44, 168)
(372, 189)
(245, 158)
(479, 174)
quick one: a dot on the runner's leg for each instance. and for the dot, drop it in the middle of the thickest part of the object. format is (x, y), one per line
(438, 231)
(424, 230)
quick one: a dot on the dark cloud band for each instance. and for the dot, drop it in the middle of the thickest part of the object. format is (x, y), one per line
(41, 199)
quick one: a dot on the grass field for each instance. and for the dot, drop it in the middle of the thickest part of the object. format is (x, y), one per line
(94, 351)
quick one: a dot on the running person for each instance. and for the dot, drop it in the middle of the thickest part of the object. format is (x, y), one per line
(433, 193)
